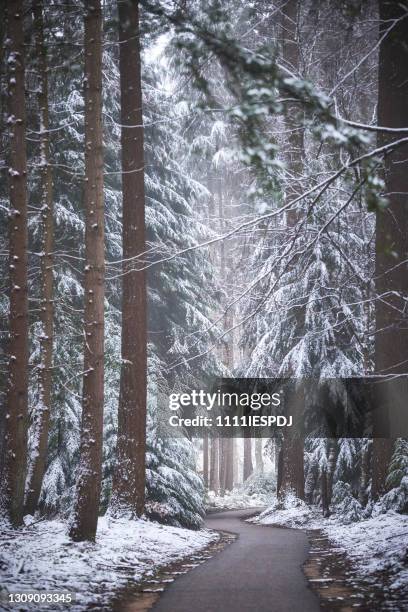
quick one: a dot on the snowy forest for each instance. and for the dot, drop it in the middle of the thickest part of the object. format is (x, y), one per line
(193, 189)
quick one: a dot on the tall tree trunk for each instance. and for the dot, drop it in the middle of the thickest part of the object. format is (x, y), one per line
(365, 475)
(324, 493)
(291, 479)
(85, 517)
(294, 150)
(259, 462)
(248, 467)
(214, 464)
(391, 339)
(205, 460)
(129, 479)
(223, 465)
(291, 459)
(331, 468)
(15, 441)
(43, 410)
(3, 140)
(230, 457)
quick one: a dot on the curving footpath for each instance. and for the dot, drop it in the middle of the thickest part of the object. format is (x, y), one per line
(259, 572)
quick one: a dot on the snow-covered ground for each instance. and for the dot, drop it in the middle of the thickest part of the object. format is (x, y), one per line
(43, 559)
(378, 543)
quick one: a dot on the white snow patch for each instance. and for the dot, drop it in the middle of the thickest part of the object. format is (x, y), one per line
(373, 544)
(41, 557)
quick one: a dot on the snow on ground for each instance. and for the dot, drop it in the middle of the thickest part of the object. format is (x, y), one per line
(42, 558)
(376, 544)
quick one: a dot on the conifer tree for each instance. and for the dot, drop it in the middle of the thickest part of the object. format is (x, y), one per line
(391, 272)
(88, 485)
(15, 434)
(129, 477)
(42, 411)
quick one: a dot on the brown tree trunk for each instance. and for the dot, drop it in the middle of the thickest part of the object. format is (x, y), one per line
(291, 477)
(365, 475)
(85, 517)
(15, 442)
(391, 339)
(205, 461)
(223, 465)
(128, 494)
(294, 148)
(42, 412)
(248, 467)
(214, 465)
(259, 462)
(291, 459)
(332, 462)
(324, 494)
(229, 460)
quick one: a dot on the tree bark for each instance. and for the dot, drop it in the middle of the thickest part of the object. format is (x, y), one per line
(129, 479)
(324, 494)
(248, 467)
(291, 459)
(15, 440)
(291, 477)
(214, 465)
(294, 150)
(365, 475)
(391, 272)
(229, 460)
(259, 462)
(223, 465)
(85, 517)
(43, 410)
(205, 461)
(332, 462)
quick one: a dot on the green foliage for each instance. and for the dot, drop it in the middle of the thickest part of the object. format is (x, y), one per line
(348, 507)
(398, 468)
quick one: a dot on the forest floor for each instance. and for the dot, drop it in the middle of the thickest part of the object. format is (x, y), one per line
(41, 558)
(363, 565)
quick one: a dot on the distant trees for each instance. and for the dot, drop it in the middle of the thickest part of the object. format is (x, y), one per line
(287, 169)
(129, 477)
(88, 487)
(15, 434)
(42, 411)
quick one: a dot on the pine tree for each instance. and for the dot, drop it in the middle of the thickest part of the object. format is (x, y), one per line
(398, 468)
(85, 515)
(214, 465)
(205, 461)
(15, 444)
(129, 477)
(248, 467)
(37, 463)
(391, 271)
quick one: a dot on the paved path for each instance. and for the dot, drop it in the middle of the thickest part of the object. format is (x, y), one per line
(259, 572)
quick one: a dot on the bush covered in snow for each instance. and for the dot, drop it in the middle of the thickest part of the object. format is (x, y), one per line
(260, 483)
(396, 499)
(257, 491)
(345, 504)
